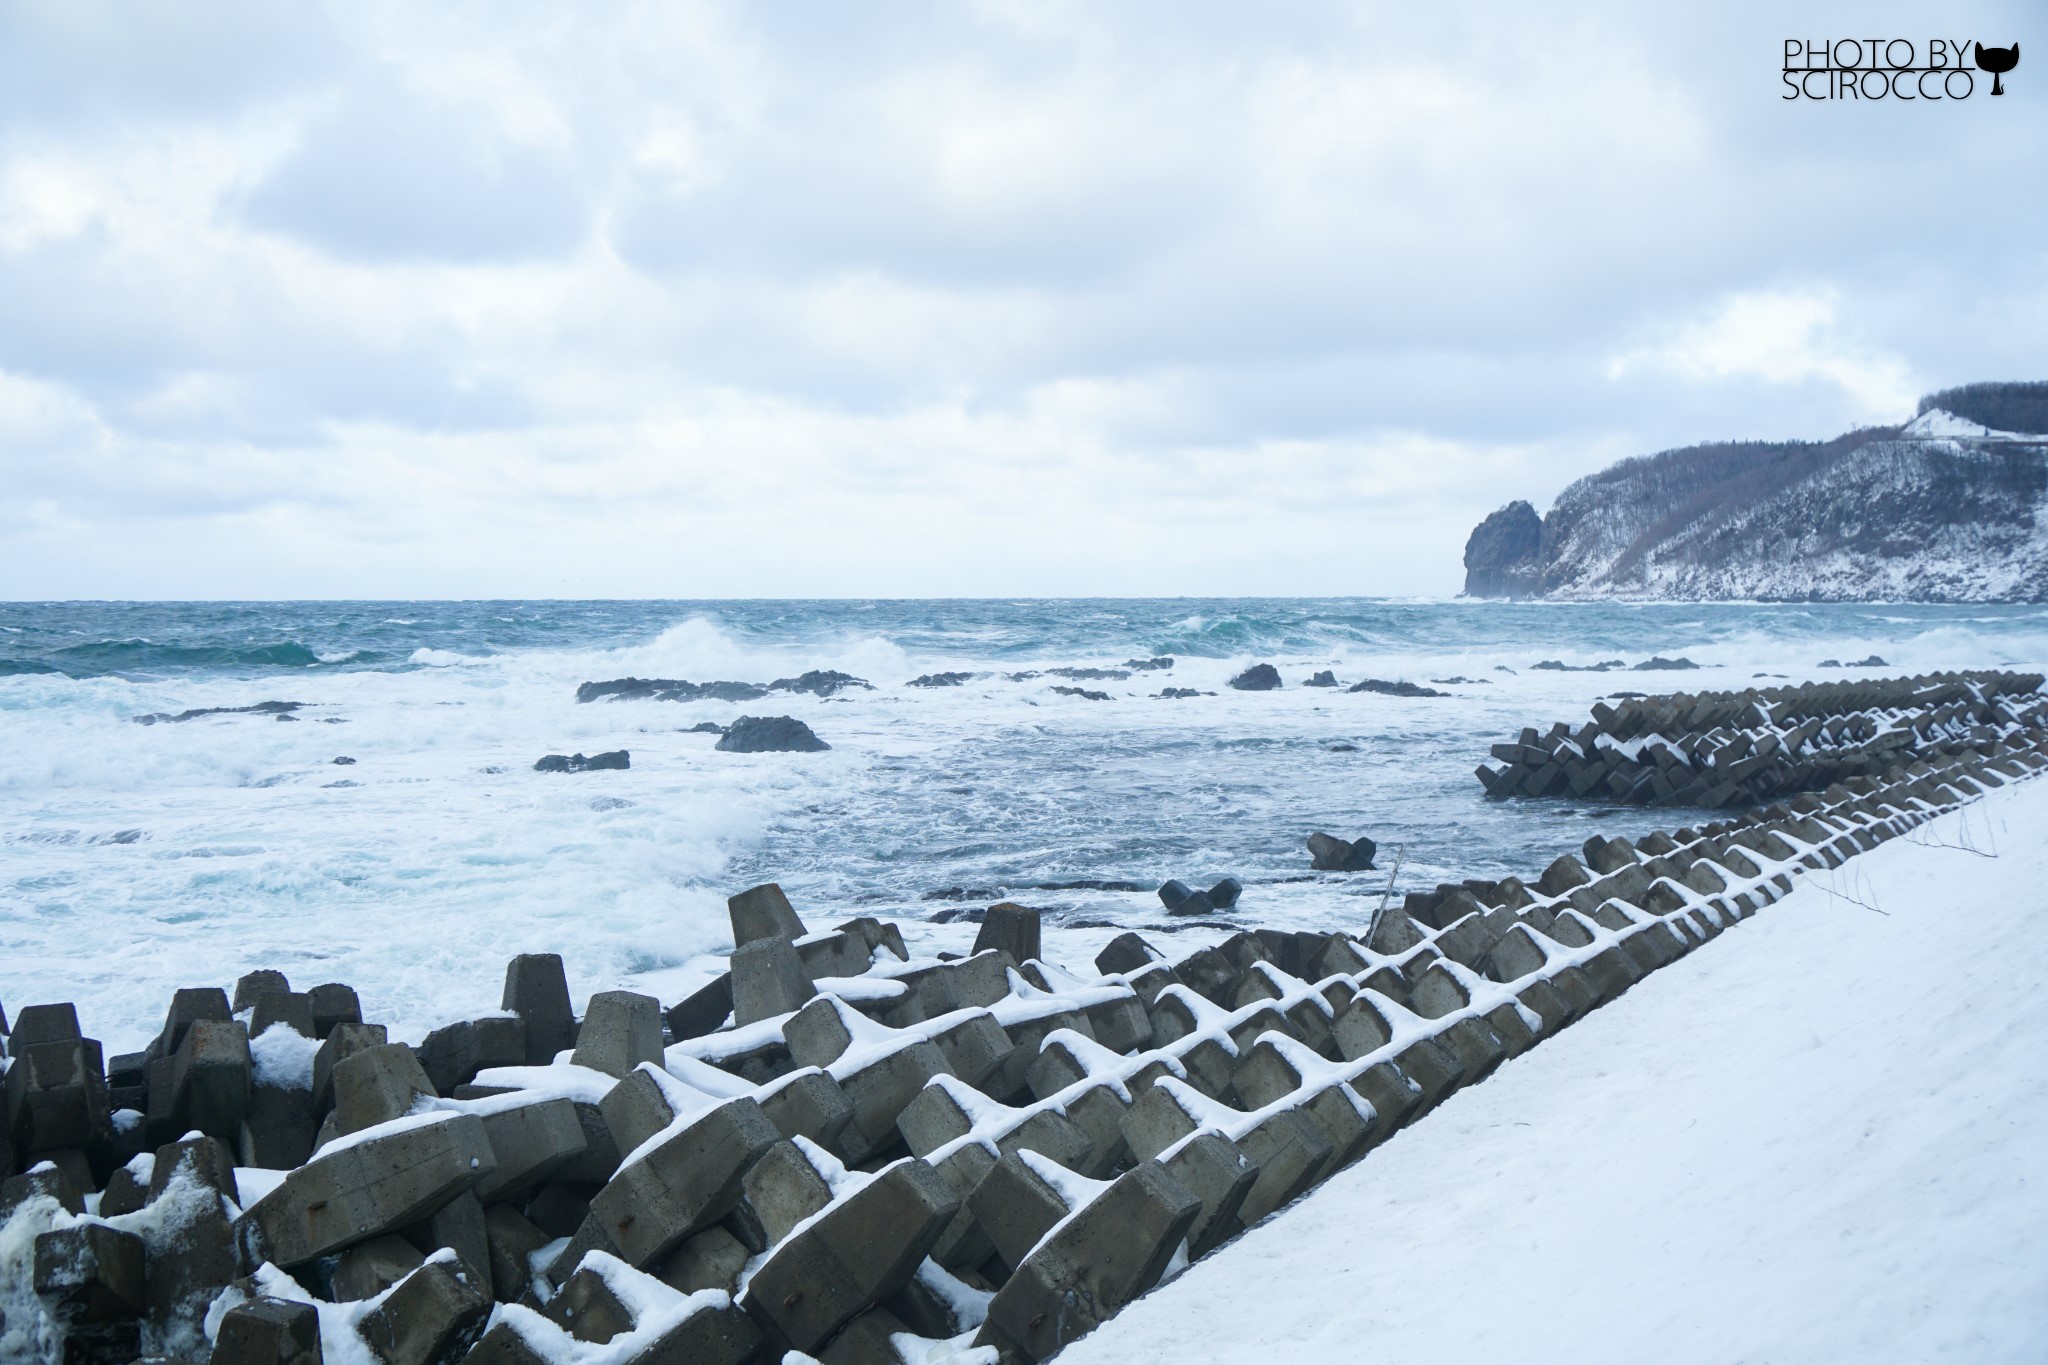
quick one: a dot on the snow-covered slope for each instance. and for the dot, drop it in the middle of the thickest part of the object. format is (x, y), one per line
(1947, 508)
(1816, 1139)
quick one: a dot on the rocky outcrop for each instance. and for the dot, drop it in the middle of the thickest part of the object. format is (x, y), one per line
(769, 734)
(1945, 508)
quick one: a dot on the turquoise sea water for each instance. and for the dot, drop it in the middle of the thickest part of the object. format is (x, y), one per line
(138, 857)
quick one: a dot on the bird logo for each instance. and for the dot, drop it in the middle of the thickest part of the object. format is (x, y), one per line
(1998, 61)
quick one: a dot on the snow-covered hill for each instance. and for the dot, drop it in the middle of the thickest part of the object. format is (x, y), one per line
(1946, 508)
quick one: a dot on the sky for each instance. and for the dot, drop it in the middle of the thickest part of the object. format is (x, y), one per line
(975, 298)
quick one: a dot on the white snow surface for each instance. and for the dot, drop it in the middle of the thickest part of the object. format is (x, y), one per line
(1815, 1139)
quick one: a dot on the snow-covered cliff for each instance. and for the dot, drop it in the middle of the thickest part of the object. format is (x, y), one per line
(1947, 508)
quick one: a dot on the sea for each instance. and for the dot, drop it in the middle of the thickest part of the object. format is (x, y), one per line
(395, 835)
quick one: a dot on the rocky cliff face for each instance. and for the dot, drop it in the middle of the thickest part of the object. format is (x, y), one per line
(1947, 508)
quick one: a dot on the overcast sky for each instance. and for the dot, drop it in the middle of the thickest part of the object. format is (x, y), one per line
(793, 299)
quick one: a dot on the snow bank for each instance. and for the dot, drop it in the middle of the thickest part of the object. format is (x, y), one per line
(1814, 1141)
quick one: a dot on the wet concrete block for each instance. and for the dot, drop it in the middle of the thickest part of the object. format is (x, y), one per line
(376, 1085)
(277, 1133)
(90, 1274)
(56, 1095)
(453, 1054)
(703, 1011)
(289, 1008)
(812, 1106)
(971, 983)
(1121, 1025)
(839, 953)
(1101, 1259)
(333, 1003)
(269, 1331)
(537, 990)
(510, 1240)
(689, 1181)
(782, 1189)
(763, 912)
(1014, 929)
(343, 1041)
(378, 1185)
(1016, 1205)
(588, 1309)
(879, 1092)
(861, 1251)
(457, 1226)
(367, 1269)
(976, 1047)
(711, 1259)
(621, 1029)
(1126, 953)
(532, 1142)
(211, 1074)
(433, 1317)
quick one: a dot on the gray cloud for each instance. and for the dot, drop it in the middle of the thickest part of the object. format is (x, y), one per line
(526, 299)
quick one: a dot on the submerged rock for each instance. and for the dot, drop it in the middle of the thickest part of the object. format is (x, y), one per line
(1081, 692)
(1395, 689)
(1157, 661)
(1323, 679)
(769, 734)
(938, 680)
(1658, 663)
(281, 709)
(577, 763)
(1176, 693)
(1257, 678)
(822, 682)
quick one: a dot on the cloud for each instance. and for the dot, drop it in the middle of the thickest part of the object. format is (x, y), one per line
(706, 297)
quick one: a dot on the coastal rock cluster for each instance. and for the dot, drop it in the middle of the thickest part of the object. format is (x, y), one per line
(830, 1148)
(1722, 749)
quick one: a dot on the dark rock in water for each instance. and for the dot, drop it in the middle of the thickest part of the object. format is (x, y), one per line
(965, 915)
(1625, 694)
(1657, 663)
(669, 689)
(281, 709)
(1088, 884)
(1463, 682)
(1328, 853)
(769, 734)
(822, 682)
(1323, 679)
(1025, 676)
(1157, 661)
(1224, 894)
(1176, 693)
(1081, 692)
(1090, 674)
(1257, 678)
(1872, 662)
(938, 680)
(1180, 899)
(705, 727)
(577, 763)
(1342, 748)
(964, 893)
(344, 761)
(1558, 666)
(287, 717)
(1395, 689)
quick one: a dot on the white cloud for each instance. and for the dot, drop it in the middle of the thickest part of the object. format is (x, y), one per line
(710, 297)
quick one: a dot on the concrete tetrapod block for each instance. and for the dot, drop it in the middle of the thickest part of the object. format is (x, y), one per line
(343, 1041)
(945, 1111)
(512, 1240)
(432, 1317)
(859, 1252)
(703, 1010)
(56, 1095)
(532, 1139)
(457, 1226)
(972, 983)
(1290, 1151)
(768, 979)
(785, 1187)
(269, 1332)
(1126, 952)
(1099, 1260)
(1016, 1205)
(1216, 1171)
(537, 990)
(975, 1047)
(684, 1184)
(90, 1274)
(379, 1184)
(1013, 928)
(277, 1133)
(369, 1268)
(210, 1078)
(621, 1029)
(333, 1003)
(588, 1308)
(808, 1104)
(869, 1339)
(838, 953)
(376, 1085)
(1271, 1073)
(763, 912)
(453, 1054)
(880, 1090)
(712, 1259)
